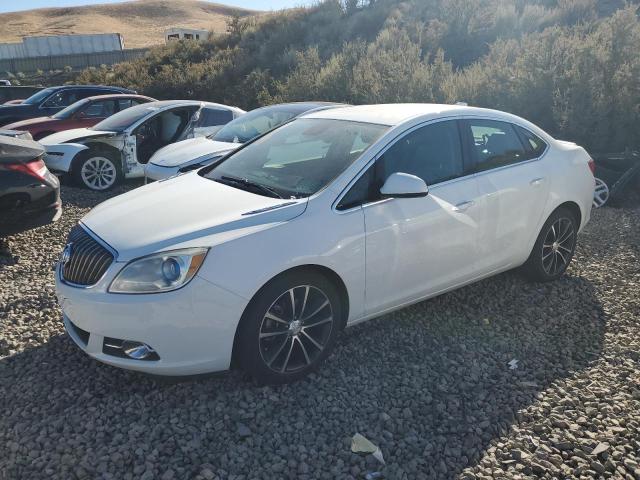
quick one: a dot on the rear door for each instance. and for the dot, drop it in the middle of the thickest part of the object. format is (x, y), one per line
(418, 246)
(513, 186)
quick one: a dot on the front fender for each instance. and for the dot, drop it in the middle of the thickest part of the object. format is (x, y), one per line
(60, 157)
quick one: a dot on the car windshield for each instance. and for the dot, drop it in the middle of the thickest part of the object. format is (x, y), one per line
(124, 119)
(38, 97)
(255, 123)
(298, 159)
(70, 110)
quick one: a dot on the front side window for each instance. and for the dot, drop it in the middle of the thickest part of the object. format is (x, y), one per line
(62, 99)
(298, 159)
(99, 109)
(495, 144)
(432, 153)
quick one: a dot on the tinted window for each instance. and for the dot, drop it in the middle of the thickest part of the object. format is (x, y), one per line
(533, 144)
(62, 99)
(495, 144)
(432, 153)
(210, 117)
(100, 109)
(124, 103)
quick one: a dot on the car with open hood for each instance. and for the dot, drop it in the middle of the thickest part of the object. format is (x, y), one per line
(339, 216)
(81, 114)
(195, 153)
(102, 156)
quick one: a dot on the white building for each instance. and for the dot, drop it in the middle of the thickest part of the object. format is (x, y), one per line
(46, 46)
(185, 34)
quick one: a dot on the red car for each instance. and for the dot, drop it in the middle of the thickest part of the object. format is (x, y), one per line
(81, 114)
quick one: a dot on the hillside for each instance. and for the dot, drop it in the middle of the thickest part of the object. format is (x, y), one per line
(141, 22)
(571, 66)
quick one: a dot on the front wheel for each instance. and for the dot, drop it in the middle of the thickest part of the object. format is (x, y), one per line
(289, 327)
(97, 171)
(554, 247)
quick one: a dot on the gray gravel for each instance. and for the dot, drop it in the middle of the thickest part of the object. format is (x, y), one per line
(430, 385)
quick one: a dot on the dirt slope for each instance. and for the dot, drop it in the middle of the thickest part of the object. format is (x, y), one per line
(141, 22)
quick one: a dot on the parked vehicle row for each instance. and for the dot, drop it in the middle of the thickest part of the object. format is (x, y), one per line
(262, 257)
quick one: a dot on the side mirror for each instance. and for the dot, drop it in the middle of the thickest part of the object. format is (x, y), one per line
(404, 185)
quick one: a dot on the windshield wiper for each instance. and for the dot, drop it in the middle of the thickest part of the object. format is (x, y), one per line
(248, 183)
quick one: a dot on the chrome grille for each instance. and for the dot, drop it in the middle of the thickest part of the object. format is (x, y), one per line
(86, 260)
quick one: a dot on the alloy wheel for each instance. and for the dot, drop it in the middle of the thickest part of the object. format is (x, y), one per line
(557, 247)
(296, 329)
(98, 173)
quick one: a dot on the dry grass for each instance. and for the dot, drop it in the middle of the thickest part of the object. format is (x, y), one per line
(141, 22)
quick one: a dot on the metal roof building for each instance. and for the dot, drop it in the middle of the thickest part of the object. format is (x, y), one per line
(46, 46)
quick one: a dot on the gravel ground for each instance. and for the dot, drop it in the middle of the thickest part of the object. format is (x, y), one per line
(430, 385)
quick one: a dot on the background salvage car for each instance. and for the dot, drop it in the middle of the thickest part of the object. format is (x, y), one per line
(83, 113)
(29, 193)
(260, 258)
(194, 153)
(51, 100)
(118, 147)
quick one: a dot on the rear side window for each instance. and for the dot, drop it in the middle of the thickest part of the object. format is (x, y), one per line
(210, 117)
(100, 109)
(495, 144)
(533, 144)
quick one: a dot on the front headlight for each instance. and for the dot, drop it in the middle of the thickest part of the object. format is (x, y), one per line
(160, 272)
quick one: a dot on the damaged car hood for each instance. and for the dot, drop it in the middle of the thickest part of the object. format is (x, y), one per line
(185, 211)
(74, 135)
(183, 152)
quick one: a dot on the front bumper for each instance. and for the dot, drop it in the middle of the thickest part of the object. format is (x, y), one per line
(192, 329)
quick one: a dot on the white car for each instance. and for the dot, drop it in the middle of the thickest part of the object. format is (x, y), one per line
(332, 219)
(101, 156)
(191, 154)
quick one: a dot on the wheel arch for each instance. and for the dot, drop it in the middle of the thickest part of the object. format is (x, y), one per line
(93, 147)
(573, 207)
(327, 272)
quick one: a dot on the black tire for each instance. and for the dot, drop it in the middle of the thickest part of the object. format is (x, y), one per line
(554, 247)
(276, 345)
(93, 160)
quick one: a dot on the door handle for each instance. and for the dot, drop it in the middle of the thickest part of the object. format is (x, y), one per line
(464, 206)
(536, 181)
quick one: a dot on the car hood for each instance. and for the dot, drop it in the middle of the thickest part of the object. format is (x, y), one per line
(30, 122)
(186, 211)
(187, 150)
(73, 135)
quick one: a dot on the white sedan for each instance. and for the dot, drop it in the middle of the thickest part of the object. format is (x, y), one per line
(335, 218)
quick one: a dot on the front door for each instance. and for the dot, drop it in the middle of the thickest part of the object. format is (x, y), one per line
(417, 247)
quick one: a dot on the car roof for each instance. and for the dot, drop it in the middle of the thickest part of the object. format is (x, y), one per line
(396, 114)
(172, 103)
(116, 96)
(90, 87)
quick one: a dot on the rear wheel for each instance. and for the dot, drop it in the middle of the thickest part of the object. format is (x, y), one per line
(554, 247)
(97, 171)
(289, 327)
